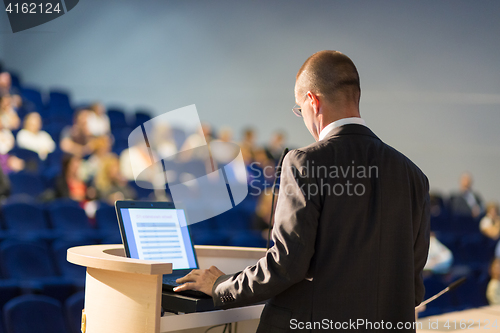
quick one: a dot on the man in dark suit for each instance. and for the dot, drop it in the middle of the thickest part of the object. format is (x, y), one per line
(466, 202)
(351, 232)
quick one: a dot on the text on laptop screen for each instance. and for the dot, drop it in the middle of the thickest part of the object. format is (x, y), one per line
(159, 235)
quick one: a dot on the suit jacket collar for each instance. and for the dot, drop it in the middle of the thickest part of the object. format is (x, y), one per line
(350, 129)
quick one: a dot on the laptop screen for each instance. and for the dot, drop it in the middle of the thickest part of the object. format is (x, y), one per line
(159, 234)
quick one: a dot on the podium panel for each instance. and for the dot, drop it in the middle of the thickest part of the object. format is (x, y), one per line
(124, 294)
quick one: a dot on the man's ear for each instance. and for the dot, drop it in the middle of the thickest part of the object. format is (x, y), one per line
(314, 100)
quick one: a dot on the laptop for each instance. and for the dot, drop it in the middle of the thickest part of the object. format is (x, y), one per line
(158, 231)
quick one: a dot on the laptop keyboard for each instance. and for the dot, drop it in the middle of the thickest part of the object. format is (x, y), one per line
(171, 280)
(169, 284)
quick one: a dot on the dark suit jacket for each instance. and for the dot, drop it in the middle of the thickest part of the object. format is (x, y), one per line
(349, 245)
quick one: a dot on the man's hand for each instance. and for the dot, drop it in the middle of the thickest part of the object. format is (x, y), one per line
(200, 279)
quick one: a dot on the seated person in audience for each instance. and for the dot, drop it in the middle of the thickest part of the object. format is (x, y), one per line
(248, 146)
(136, 165)
(69, 184)
(164, 142)
(33, 138)
(493, 290)
(490, 224)
(195, 146)
(224, 154)
(8, 116)
(275, 147)
(440, 258)
(77, 139)
(98, 120)
(89, 167)
(110, 184)
(466, 201)
(7, 89)
(8, 163)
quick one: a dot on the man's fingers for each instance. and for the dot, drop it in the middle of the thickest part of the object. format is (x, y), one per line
(190, 277)
(185, 286)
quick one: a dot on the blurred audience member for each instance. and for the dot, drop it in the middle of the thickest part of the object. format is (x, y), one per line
(276, 146)
(77, 139)
(7, 89)
(137, 163)
(33, 138)
(195, 145)
(89, 168)
(224, 154)
(8, 163)
(493, 290)
(247, 146)
(8, 116)
(163, 141)
(7, 141)
(490, 224)
(68, 183)
(440, 257)
(98, 120)
(466, 201)
(110, 184)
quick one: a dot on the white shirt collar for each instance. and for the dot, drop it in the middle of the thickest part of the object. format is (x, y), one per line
(341, 122)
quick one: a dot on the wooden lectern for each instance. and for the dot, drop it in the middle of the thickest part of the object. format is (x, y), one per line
(124, 295)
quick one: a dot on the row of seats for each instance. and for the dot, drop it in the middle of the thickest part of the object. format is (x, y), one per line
(36, 268)
(43, 314)
(471, 294)
(23, 217)
(58, 109)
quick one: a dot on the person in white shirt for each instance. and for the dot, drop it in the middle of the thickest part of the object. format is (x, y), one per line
(440, 257)
(33, 138)
(98, 120)
(490, 224)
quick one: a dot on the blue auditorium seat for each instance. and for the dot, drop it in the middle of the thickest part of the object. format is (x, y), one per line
(25, 182)
(73, 309)
(2, 329)
(54, 129)
(34, 313)
(34, 96)
(107, 222)
(32, 265)
(26, 219)
(434, 284)
(142, 193)
(68, 218)
(117, 118)
(141, 116)
(248, 239)
(60, 106)
(465, 224)
(32, 162)
(9, 289)
(472, 293)
(72, 272)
